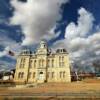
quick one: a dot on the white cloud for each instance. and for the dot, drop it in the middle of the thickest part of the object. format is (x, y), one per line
(5, 40)
(83, 26)
(51, 34)
(5, 52)
(9, 45)
(81, 45)
(36, 17)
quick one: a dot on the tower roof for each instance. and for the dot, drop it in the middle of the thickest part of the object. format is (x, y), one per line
(43, 42)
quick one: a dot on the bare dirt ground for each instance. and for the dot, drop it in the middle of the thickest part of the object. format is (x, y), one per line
(88, 89)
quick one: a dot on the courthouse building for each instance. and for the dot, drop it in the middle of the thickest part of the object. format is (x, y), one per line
(42, 66)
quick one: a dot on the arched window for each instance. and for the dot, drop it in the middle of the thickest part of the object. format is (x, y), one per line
(19, 75)
(22, 75)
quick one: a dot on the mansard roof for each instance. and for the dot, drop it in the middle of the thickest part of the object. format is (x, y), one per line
(61, 51)
(26, 51)
(49, 51)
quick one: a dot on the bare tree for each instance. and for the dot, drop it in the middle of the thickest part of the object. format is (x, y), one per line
(96, 65)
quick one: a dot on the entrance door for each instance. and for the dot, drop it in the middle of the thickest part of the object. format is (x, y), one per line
(41, 77)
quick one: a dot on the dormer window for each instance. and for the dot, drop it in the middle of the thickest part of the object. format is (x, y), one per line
(44, 46)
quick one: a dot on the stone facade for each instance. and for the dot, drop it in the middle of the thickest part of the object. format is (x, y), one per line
(42, 66)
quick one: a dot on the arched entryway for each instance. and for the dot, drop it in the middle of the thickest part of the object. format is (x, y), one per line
(41, 73)
(41, 77)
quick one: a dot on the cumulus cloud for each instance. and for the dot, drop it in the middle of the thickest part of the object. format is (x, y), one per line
(36, 17)
(83, 45)
(83, 26)
(51, 34)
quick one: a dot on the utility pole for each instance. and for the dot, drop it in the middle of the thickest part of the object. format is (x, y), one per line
(76, 73)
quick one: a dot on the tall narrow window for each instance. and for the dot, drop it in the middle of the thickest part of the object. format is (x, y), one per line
(62, 58)
(34, 63)
(31, 63)
(63, 74)
(33, 74)
(29, 76)
(48, 74)
(22, 63)
(19, 75)
(52, 62)
(61, 61)
(42, 62)
(60, 74)
(52, 74)
(22, 75)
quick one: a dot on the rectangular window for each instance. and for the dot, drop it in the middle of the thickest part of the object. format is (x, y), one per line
(33, 74)
(48, 63)
(61, 61)
(60, 74)
(31, 63)
(63, 74)
(42, 62)
(52, 74)
(48, 74)
(34, 63)
(22, 63)
(52, 63)
(21, 75)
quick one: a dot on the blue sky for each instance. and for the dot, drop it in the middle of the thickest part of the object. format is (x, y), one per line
(23, 22)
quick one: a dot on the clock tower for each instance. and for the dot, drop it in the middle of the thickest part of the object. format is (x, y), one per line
(42, 52)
